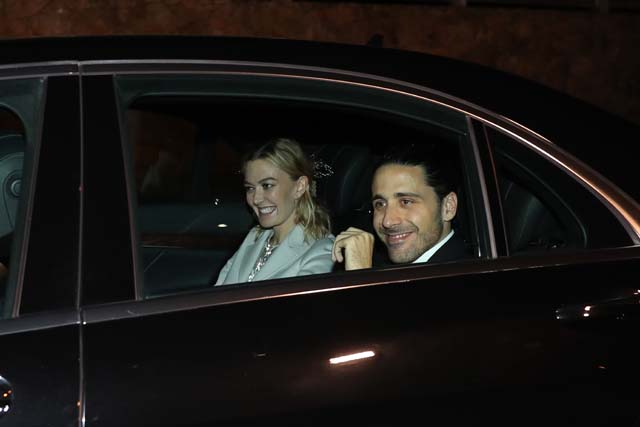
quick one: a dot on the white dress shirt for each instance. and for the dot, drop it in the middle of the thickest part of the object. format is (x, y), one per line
(428, 254)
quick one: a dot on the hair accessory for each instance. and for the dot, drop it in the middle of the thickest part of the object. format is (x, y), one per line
(321, 169)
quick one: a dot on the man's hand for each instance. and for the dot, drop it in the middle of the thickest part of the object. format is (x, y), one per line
(358, 249)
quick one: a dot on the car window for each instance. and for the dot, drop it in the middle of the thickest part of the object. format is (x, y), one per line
(186, 155)
(191, 213)
(545, 209)
(18, 103)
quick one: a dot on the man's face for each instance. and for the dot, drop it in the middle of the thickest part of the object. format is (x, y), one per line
(407, 215)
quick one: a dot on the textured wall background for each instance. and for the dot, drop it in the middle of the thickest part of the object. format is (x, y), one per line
(593, 56)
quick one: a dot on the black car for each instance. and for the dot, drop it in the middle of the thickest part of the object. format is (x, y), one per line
(121, 201)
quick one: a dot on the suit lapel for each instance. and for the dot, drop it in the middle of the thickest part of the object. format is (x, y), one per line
(251, 255)
(284, 255)
(453, 250)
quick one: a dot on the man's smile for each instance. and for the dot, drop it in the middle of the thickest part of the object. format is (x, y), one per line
(397, 238)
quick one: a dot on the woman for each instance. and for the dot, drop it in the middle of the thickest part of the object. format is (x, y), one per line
(292, 237)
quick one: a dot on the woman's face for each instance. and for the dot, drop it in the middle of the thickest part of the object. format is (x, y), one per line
(272, 195)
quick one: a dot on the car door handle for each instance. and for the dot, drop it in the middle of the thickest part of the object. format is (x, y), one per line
(6, 396)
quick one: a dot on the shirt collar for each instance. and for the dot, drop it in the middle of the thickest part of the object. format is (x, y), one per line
(428, 254)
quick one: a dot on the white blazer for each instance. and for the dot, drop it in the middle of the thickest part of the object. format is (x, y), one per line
(293, 257)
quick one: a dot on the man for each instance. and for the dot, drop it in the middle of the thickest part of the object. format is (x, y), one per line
(414, 203)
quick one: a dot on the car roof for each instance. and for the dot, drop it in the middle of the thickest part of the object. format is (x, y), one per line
(600, 139)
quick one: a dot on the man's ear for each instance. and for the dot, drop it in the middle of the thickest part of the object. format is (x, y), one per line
(302, 185)
(449, 206)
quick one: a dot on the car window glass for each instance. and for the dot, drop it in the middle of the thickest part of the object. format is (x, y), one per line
(19, 101)
(12, 147)
(544, 208)
(191, 211)
(187, 155)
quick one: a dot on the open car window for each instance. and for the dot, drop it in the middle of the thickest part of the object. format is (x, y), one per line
(186, 154)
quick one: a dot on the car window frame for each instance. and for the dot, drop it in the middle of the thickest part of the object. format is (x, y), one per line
(621, 207)
(118, 68)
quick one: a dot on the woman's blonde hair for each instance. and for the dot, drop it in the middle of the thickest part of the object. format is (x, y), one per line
(287, 155)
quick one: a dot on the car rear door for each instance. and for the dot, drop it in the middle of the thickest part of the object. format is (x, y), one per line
(498, 339)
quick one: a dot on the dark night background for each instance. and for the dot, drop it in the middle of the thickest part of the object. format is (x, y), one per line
(587, 48)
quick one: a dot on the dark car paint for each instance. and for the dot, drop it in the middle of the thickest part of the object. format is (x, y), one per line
(52, 253)
(488, 341)
(107, 265)
(43, 369)
(457, 349)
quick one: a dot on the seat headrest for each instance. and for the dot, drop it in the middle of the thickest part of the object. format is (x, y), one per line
(530, 224)
(344, 172)
(343, 178)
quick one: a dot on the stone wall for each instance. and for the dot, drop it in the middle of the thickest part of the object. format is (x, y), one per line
(593, 56)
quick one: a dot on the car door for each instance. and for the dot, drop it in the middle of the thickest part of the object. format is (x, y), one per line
(40, 167)
(498, 338)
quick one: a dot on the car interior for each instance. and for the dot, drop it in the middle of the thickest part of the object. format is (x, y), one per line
(530, 225)
(12, 147)
(11, 161)
(187, 150)
(535, 217)
(191, 210)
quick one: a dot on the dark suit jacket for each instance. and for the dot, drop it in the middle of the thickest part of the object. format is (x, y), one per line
(453, 250)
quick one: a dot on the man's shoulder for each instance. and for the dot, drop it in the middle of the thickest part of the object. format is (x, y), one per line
(454, 250)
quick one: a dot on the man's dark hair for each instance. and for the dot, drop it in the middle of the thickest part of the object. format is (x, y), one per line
(439, 163)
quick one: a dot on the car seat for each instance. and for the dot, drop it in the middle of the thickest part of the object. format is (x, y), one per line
(343, 176)
(530, 225)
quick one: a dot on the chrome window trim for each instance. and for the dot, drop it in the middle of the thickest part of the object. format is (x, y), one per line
(332, 282)
(38, 69)
(625, 209)
(39, 321)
